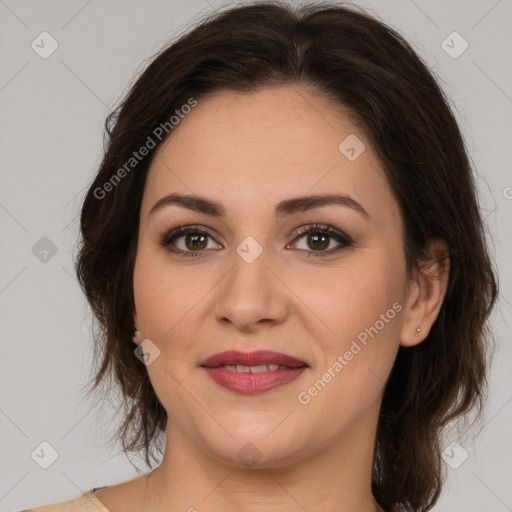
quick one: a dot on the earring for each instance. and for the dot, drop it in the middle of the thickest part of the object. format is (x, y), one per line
(135, 334)
(418, 331)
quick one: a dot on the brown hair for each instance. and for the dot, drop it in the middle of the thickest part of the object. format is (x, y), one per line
(362, 65)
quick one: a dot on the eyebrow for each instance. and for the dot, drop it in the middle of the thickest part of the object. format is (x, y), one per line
(283, 208)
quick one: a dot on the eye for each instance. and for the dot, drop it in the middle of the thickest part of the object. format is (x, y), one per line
(318, 237)
(195, 240)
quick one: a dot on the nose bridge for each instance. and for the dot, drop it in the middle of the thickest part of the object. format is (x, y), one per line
(250, 292)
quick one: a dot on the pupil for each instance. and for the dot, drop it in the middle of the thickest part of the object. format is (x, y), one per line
(194, 243)
(316, 238)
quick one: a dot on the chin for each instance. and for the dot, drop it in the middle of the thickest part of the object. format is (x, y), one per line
(256, 442)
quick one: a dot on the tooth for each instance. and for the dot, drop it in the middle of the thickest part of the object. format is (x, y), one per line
(241, 368)
(259, 369)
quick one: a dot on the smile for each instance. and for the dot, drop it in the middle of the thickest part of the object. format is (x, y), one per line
(253, 372)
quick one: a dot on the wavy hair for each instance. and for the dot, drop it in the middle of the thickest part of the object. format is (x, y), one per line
(366, 68)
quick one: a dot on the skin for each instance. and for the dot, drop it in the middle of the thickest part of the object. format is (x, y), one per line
(250, 151)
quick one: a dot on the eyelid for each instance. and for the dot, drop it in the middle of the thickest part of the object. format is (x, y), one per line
(343, 239)
(171, 235)
(321, 228)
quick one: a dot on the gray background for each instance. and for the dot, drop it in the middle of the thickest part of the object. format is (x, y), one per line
(51, 126)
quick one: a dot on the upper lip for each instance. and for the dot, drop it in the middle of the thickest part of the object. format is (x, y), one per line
(259, 357)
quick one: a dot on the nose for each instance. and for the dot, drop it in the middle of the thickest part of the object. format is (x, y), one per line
(251, 295)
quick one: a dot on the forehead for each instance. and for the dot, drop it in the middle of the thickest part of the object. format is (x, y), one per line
(264, 146)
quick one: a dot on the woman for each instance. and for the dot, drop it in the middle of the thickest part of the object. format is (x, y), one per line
(286, 259)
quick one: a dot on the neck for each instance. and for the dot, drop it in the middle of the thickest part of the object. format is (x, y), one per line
(336, 477)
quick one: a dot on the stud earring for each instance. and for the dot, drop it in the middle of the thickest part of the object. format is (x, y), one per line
(135, 335)
(418, 331)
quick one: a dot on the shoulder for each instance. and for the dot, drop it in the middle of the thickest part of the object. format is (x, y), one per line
(84, 503)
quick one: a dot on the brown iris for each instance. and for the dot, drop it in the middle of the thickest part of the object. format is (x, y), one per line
(196, 241)
(323, 245)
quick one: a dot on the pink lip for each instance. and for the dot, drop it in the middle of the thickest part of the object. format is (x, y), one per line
(252, 383)
(252, 359)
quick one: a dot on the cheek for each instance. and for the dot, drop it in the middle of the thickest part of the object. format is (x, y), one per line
(166, 294)
(356, 361)
(361, 307)
(165, 297)
(354, 296)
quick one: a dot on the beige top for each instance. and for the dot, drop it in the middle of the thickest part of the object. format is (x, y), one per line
(87, 502)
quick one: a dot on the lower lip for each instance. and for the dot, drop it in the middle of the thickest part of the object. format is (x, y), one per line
(252, 383)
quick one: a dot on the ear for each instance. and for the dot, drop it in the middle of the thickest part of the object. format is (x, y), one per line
(137, 338)
(426, 291)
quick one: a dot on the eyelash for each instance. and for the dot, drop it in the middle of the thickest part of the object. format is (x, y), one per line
(343, 238)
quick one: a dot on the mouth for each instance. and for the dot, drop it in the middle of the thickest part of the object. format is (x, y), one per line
(253, 372)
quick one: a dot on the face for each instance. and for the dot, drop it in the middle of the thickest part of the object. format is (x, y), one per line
(253, 279)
